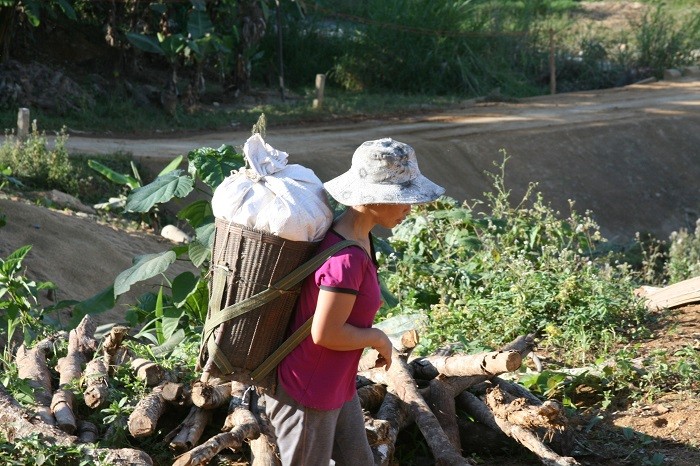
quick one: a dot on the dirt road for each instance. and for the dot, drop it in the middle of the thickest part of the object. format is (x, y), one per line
(630, 155)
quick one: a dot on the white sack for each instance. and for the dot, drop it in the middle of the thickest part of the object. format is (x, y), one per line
(286, 200)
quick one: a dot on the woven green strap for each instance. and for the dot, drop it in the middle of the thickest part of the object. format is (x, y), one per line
(284, 285)
(217, 293)
(283, 350)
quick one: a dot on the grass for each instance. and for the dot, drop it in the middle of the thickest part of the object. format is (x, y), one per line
(119, 116)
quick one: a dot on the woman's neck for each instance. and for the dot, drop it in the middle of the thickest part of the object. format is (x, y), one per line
(354, 224)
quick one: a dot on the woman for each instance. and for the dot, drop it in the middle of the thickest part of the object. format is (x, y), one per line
(315, 411)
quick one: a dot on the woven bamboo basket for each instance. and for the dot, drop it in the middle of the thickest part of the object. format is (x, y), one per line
(255, 260)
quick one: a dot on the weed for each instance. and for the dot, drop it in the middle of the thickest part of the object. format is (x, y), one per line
(36, 164)
(684, 254)
(33, 450)
(486, 276)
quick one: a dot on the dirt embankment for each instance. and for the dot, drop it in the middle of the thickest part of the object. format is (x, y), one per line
(630, 155)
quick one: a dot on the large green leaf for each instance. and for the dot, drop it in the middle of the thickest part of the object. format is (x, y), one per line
(197, 214)
(174, 164)
(168, 347)
(67, 9)
(198, 253)
(200, 249)
(199, 24)
(213, 165)
(171, 321)
(172, 45)
(162, 189)
(101, 302)
(113, 176)
(184, 285)
(198, 302)
(145, 267)
(145, 43)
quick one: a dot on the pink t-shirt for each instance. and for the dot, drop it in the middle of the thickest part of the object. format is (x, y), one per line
(315, 376)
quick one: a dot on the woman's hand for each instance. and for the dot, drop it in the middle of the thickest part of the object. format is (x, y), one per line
(331, 330)
(384, 348)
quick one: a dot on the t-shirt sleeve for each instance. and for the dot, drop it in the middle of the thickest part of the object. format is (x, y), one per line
(343, 272)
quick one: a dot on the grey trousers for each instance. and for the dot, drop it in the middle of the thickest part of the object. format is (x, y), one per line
(313, 437)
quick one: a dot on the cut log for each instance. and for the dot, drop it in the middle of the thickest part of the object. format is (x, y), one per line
(491, 363)
(148, 371)
(404, 345)
(15, 424)
(208, 396)
(87, 432)
(97, 391)
(678, 294)
(81, 347)
(403, 384)
(62, 409)
(263, 449)
(83, 337)
(547, 415)
(399, 416)
(371, 396)
(187, 434)
(481, 412)
(144, 418)
(442, 404)
(246, 427)
(111, 345)
(177, 393)
(32, 366)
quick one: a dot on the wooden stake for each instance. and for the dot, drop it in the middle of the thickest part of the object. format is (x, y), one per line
(320, 89)
(23, 123)
(552, 65)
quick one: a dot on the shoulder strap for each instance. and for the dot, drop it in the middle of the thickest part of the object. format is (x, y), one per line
(284, 285)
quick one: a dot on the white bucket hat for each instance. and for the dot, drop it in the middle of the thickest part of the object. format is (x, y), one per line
(383, 171)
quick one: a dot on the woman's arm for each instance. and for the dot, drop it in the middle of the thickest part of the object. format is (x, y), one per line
(331, 330)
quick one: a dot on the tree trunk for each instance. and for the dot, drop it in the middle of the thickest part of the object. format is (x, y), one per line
(110, 347)
(211, 396)
(186, 435)
(16, 424)
(81, 346)
(31, 365)
(148, 371)
(481, 412)
(246, 427)
(97, 390)
(143, 420)
(403, 384)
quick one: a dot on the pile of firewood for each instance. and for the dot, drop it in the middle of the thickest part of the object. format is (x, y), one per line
(425, 391)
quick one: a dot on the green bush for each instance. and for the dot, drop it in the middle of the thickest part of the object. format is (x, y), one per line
(663, 41)
(36, 164)
(489, 275)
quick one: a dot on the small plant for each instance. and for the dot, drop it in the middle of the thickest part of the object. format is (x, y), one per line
(130, 183)
(684, 254)
(19, 305)
(36, 164)
(33, 450)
